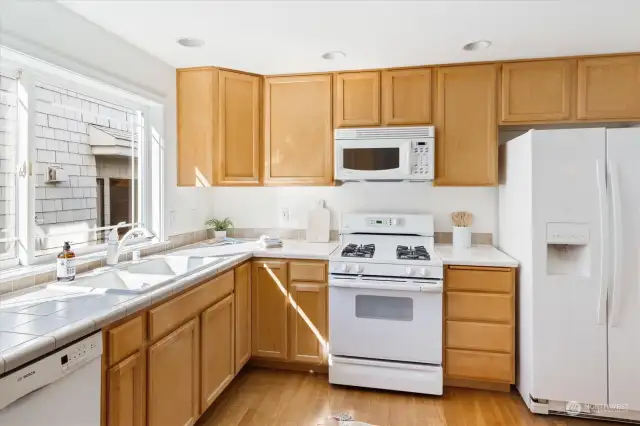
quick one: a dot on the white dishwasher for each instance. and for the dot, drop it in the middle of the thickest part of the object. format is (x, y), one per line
(60, 389)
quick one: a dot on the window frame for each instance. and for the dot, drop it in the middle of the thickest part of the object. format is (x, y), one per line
(149, 165)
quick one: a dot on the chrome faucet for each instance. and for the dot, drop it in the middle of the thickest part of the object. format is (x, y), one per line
(114, 247)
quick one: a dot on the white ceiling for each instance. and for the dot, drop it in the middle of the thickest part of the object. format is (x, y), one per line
(272, 37)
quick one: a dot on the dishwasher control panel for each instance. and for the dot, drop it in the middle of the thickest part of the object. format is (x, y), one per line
(51, 368)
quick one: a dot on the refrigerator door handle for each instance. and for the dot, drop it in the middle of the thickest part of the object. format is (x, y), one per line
(617, 244)
(602, 198)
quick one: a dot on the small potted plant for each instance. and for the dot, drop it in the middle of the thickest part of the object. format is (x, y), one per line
(220, 227)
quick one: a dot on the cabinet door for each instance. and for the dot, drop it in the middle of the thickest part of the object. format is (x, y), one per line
(174, 382)
(308, 322)
(537, 91)
(239, 131)
(609, 88)
(218, 366)
(466, 128)
(269, 299)
(197, 96)
(358, 99)
(406, 96)
(243, 315)
(126, 392)
(298, 132)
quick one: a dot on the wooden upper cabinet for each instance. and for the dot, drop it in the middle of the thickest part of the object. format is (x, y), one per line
(537, 91)
(406, 96)
(197, 94)
(269, 318)
(357, 100)
(126, 392)
(466, 128)
(243, 315)
(308, 322)
(298, 131)
(174, 381)
(239, 129)
(217, 356)
(609, 88)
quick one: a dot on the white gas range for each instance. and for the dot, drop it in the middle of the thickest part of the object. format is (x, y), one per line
(385, 304)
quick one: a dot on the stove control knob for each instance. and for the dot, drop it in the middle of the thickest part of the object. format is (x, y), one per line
(409, 270)
(423, 272)
(359, 269)
(341, 268)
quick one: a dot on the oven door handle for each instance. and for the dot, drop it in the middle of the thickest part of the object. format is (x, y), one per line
(431, 287)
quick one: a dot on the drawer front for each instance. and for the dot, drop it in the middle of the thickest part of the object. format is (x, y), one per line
(479, 365)
(125, 339)
(479, 280)
(308, 271)
(479, 307)
(479, 336)
(168, 316)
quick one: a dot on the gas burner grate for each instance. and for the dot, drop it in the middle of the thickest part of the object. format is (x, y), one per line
(412, 253)
(354, 250)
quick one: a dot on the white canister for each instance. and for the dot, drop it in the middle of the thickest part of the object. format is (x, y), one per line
(220, 235)
(461, 237)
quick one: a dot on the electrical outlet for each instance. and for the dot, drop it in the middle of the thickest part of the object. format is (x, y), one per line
(172, 219)
(284, 215)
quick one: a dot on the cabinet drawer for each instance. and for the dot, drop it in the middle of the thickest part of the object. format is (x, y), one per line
(479, 336)
(125, 339)
(479, 307)
(307, 271)
(479, 280)
(479, 365)
(167, 317)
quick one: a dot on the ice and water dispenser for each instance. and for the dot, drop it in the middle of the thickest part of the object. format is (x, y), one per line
(568, 249)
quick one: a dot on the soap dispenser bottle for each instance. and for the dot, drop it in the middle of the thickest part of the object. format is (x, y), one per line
(112, 247)
(66, 264)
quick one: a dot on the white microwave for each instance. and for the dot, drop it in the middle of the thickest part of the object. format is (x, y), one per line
(384, 153)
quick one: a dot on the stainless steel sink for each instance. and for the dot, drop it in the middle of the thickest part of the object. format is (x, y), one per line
(142, 276)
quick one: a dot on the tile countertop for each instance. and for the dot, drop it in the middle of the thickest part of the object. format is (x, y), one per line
(40, 319)
(474, 256)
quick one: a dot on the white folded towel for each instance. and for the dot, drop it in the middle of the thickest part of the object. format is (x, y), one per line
(270, 242)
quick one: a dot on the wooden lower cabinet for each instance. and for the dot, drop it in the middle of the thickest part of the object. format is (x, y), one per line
(127, 393)
(308, 322)
(174, 382)
(479, 344)
(217, 350)
(243, 315)
(269, 298)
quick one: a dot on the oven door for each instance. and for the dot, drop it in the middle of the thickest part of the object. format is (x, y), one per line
(384, 159)
(386, 318)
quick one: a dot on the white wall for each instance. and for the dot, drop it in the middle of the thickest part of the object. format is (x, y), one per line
(259, 207)
(49, 31)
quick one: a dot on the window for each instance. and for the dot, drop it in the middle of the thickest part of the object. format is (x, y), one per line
(75, 163)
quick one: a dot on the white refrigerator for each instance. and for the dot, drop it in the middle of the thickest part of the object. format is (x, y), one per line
(569, 212)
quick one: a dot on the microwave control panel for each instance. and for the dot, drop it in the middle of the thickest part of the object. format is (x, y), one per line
(422, 158)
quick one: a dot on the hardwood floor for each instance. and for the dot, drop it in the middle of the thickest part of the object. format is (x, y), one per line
(260, 397)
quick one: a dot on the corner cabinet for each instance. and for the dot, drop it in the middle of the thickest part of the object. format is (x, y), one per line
(609, 88)
(406, 96)
(537, 91)
(269, 294)
(218, 127)
(357, 99)
(297, 130)
(466, 126)
(243, 315)
(174, 382)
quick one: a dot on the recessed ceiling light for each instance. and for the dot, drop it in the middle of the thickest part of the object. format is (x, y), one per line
(334, 54)
(190, 42)
(477, 45)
